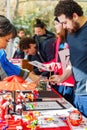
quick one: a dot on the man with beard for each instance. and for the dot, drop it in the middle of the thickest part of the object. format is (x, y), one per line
(70, 15)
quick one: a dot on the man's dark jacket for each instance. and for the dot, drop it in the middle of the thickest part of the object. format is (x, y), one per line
(45, 50)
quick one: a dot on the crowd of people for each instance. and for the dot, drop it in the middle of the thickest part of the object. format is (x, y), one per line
(44, 46)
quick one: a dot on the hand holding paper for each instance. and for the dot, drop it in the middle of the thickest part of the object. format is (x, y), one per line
(47, 67)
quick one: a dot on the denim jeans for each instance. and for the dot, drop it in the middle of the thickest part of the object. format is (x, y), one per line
(80, 102)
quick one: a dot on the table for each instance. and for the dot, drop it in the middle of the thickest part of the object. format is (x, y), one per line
(49, 115)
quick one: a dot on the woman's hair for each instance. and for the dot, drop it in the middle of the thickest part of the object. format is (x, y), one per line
(6, 27)
(68, 7)
(40, 24)
(24, 43)
(20, 29)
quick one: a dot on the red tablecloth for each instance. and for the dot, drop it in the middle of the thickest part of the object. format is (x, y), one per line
(12, 125)
(56, 128)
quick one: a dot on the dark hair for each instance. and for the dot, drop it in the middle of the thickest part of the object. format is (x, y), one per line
(20, 29)
(68, 7)
(40, 24)
(6, 27)
(24, 43)
(56, 19)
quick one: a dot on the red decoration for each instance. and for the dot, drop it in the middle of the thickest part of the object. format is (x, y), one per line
(3, 105)
(75, 118)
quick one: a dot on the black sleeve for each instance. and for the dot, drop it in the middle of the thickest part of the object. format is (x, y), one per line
(49, 49)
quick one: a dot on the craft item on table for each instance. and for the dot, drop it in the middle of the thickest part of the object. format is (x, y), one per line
(29, 106)
(20, 97)
(31, 119)
(50, 121)
(36, 113)
(36, 94)
(75, 117)
(16, 83)
(43, 120)
(3, 108)
(42, 86)
(30, 96)
(19, 108)
(7, 95)
(43, 105)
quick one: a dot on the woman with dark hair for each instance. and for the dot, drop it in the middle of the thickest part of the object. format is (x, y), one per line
(8, 31)
(64, 90)
(45, 41)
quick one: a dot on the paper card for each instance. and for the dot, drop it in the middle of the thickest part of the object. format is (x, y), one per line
(47, 66)
(48, 121)
(44, 105)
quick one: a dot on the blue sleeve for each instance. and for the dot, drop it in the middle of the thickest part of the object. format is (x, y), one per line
(8, 67)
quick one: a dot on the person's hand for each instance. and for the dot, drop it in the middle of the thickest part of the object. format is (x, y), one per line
(41, 70)
(35, 78)
(55, 79)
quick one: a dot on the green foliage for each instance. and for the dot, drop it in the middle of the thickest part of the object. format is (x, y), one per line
(44, 12)
(39, 9)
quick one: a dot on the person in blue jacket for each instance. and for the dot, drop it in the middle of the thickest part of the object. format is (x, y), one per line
(8, 31)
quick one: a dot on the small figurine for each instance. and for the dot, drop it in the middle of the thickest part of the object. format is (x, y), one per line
(3, 107)
(75, 118)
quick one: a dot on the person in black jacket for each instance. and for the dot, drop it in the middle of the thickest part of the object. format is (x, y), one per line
(45, 41)
(40, 48)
